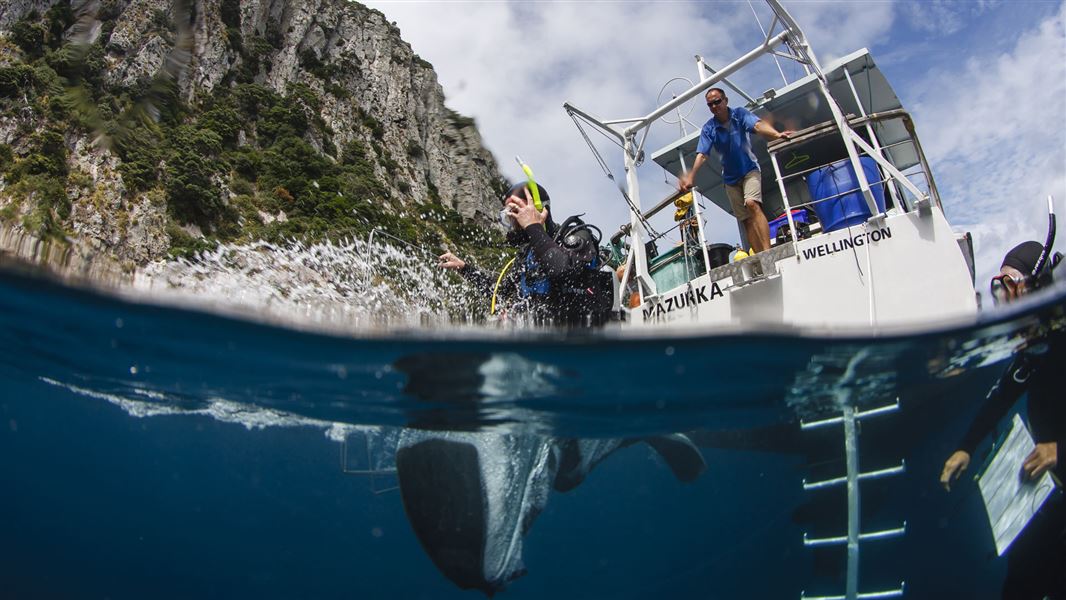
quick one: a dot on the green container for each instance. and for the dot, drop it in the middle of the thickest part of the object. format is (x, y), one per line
(668, 270)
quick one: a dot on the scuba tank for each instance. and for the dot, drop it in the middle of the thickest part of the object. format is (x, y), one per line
(583, 295)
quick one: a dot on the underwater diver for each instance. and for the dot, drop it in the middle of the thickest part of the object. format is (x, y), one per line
(1036, 560)
(555, 277)
(471, 496)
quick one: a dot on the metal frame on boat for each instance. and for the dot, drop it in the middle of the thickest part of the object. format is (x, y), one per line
(874, 269)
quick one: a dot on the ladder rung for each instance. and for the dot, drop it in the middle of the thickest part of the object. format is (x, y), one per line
(882, 410)
(873, 412)
(833, 541)
(822, 423)
(896, 593)
(883, 534)
(862, 477)
(371, 472)
(863, 537)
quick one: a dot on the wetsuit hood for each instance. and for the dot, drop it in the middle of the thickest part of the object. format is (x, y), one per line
(518, 237)
(1023, 256)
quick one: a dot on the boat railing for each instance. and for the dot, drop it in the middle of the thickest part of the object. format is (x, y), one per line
(910, 188)
(669, 200)
(691, 248)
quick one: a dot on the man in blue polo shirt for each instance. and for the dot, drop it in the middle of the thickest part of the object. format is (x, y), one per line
(727, 132)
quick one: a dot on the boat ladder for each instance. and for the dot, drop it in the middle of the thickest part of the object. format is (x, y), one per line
(850, 420)
(381, 472)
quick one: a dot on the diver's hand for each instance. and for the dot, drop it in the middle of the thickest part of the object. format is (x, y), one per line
(451, 261)
(1045, 456)
(954, 467)
(523, 211)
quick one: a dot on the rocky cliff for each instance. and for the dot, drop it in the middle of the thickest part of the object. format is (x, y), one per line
(137, 129)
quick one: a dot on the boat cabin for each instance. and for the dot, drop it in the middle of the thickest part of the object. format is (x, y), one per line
(857, 227)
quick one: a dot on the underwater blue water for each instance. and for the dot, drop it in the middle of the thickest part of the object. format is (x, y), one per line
(153, 451)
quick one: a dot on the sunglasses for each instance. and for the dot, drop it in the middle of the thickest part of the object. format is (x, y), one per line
(715, 102)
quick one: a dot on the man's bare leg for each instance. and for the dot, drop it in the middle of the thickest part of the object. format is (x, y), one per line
(758, 230)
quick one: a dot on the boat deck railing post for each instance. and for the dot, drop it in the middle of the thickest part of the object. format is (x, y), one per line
(873, 137)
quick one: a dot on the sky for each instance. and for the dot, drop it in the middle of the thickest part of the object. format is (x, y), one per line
(985, 81)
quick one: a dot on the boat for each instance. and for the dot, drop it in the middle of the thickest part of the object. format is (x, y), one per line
(858, 228)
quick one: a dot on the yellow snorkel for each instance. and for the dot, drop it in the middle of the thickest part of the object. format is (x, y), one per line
(533, 189)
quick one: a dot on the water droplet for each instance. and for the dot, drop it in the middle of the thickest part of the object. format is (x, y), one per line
(669, 350)
(377, 532)
(133, 370)
(119, 323)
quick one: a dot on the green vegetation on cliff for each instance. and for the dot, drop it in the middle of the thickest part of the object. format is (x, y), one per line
(242, 164)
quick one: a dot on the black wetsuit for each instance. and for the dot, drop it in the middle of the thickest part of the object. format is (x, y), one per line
(1036, 561)
(556, 276)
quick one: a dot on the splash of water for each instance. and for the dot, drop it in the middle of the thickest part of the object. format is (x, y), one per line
(351, 285)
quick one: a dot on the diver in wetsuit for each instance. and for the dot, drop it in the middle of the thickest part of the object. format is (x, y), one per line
(555, 276)
(471, 496)
(1036, 561)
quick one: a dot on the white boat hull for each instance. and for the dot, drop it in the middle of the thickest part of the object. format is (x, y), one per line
(903, 270)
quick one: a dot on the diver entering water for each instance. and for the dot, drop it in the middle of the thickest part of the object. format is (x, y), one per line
(556, 275)
(1036, 560)
(472, 496)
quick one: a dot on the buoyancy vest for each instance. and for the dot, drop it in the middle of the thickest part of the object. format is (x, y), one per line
(585, 294)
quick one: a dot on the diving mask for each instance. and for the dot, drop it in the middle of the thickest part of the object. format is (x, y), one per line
(506, 217)
(1005, 287)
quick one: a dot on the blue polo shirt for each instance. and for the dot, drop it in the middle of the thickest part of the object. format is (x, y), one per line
(734, 145)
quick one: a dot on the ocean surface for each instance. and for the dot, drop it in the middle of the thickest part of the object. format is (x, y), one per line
(163, 449)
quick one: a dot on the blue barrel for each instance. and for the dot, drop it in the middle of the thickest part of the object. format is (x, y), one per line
(849, 209)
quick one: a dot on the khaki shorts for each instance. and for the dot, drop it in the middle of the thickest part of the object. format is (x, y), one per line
(748, 187)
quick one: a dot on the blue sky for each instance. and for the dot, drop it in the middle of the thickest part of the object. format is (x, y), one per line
(984, 79)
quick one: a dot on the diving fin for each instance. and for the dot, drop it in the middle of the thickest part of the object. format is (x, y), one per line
(680, 454)
(443, 496)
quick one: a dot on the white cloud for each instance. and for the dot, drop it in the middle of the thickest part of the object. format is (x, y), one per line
(836, 29)
(944, 16)
(993, 133)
